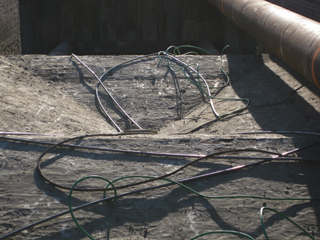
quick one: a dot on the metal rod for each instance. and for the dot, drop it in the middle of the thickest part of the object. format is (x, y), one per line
(162, 153)
(152, 188)
(110, 95)
(202, 78)
(280, 132)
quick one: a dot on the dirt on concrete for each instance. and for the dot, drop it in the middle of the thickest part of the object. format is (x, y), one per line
(55, 97)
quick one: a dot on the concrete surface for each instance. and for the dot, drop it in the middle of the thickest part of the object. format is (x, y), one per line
(55, 95)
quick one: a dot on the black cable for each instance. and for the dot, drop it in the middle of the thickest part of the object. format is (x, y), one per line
(39, 163)
(243, 110)
(155, 187)
(149, 180)
(162, 154)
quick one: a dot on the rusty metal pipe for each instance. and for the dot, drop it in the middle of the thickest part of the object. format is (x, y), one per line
(292, 37)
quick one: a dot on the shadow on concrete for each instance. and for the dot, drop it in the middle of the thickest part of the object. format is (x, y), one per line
(147, 211)
(262, 85)
(143, 211)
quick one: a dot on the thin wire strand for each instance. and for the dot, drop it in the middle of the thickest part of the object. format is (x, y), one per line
(148, 189)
